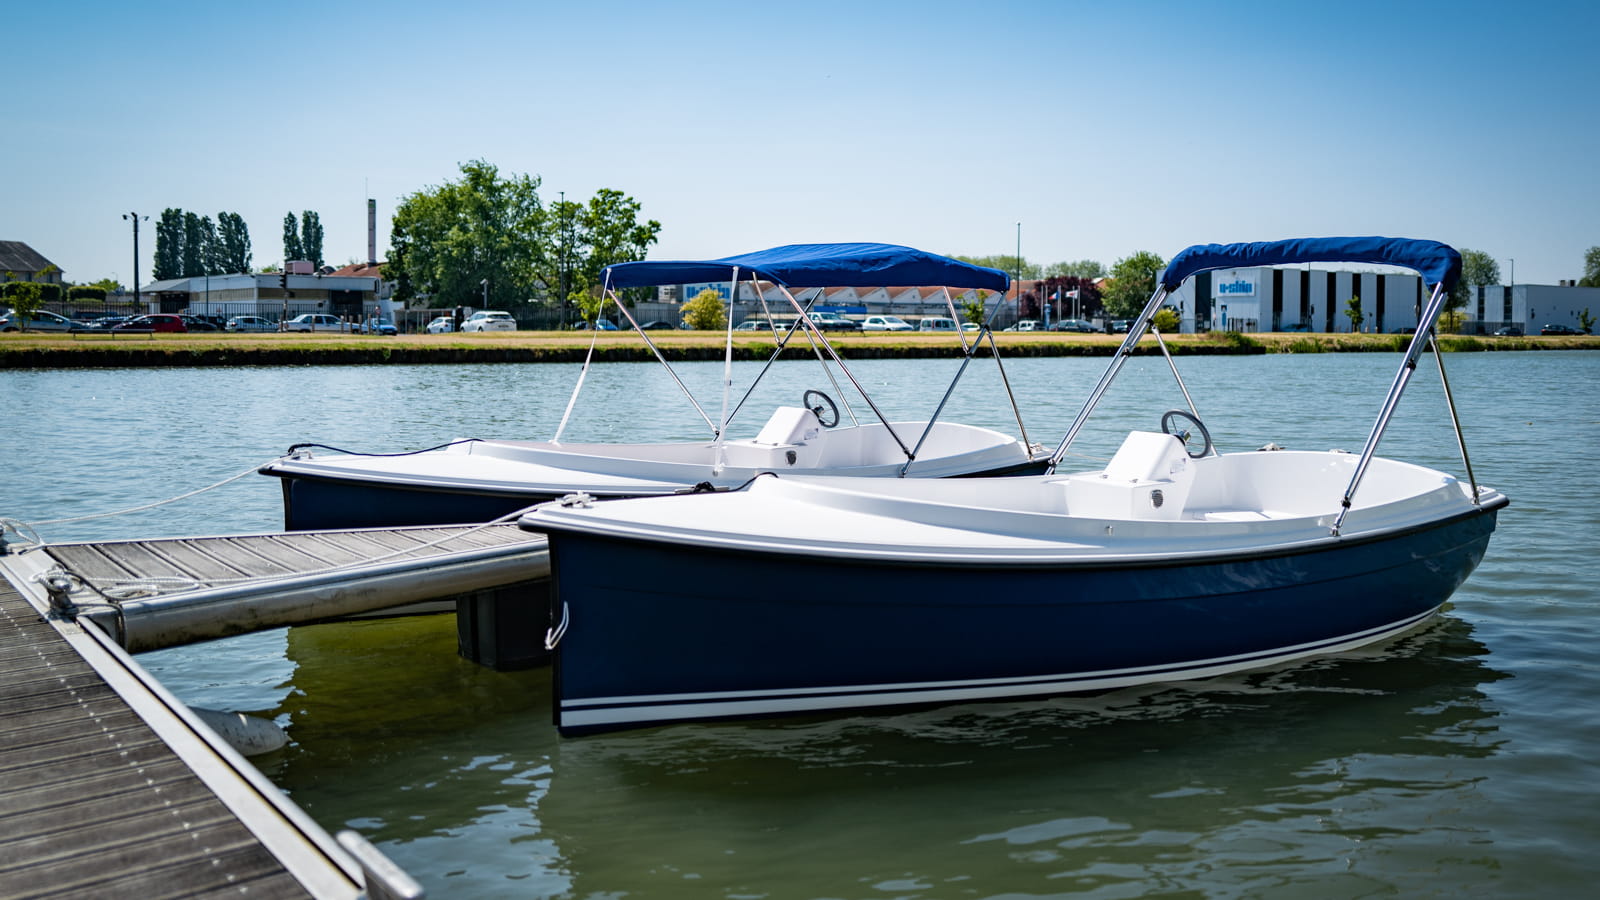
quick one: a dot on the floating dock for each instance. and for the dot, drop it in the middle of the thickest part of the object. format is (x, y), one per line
(112, 787)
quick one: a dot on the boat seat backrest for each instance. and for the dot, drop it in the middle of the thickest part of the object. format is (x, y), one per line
(1148, 478)
(790, 425)
(792, 438)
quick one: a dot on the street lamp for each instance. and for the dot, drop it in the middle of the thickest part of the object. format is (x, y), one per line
(134, 218)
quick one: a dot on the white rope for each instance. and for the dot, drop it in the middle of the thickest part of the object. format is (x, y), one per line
(134, 509)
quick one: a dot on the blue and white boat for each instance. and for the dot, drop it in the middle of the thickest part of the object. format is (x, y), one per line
(473, 480)
(1173, 562)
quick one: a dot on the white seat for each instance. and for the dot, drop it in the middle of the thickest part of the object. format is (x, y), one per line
(792, 438)
(1148, 478)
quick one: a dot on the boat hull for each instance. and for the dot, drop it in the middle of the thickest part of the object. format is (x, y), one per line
(318, 503)
(656, 632)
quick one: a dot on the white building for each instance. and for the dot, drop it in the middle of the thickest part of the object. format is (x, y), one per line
(1299, 298)
(1529, 307)
(272, 295)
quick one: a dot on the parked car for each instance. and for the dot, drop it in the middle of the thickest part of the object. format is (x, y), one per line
(491, 320)
(249, 323)
(1078, 326)
(196, 323)
(1295, 328)
(937, 323)
(441, 325)
(1027, 325)
(1548, 329)
(971, 326)
(1508, 331)
(164, 323)
(832, 321)
(39, 321)
(1118, 326)
(315, 322)
(885, 323)
(659, 325)
(378, 326)
(215, 322)
(601, 325)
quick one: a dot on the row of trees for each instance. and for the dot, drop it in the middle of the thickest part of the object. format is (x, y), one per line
(189, 245)
(490, 240)
(303, 240)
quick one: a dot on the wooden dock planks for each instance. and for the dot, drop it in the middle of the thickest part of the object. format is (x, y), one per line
(93, 803)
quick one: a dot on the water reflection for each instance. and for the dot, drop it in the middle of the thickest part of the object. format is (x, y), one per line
(1235, 781)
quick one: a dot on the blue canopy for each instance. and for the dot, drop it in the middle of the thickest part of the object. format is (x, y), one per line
(1438, 263)
(817, 265)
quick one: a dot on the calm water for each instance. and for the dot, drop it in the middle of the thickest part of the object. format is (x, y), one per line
(1458, 761)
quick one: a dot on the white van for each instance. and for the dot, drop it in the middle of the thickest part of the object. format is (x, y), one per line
(937, 323)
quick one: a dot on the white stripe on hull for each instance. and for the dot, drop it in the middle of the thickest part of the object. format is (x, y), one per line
(641, 709)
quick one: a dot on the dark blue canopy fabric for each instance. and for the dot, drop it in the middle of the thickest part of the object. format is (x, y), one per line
(818, 265)
(1438, 263)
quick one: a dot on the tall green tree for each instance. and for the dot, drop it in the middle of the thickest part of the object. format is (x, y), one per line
(581, 240)
(234, 238)
(448, 238)
(1131, 284)
(194, 246)
(1591, 268)
(169, 245)
(1087, 269)
(211, 250)
(292, 249)
(1477, 268)
(311, 237)
(1007, 263)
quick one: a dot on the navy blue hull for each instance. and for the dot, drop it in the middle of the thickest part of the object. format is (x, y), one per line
(316, 504)
(313, 504)
(660, 633)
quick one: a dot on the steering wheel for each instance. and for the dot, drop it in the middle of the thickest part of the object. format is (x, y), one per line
(1166, 428)
(814, 401)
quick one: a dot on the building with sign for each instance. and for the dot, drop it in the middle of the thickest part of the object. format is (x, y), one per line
(1299, 298)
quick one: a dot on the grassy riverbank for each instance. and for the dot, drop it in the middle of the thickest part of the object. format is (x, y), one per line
(104, 351)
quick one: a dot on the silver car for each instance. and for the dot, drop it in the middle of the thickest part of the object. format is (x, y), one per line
(250, 323)
(489, 320)
(39, 321)
(315, 322)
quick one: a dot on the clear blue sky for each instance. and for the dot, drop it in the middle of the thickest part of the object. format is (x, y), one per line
(1103, 128)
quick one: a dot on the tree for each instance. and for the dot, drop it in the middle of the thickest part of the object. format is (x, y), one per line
(1352, 308)
(211, 247)
(1087, 269)
(1586, 321)
(582, 239)
(1008, 264)
(1132, 283)
(169, 246)
(972, 310)
(1058, 290)
(1477, 268)
(311, 237)
(705, 312)
(109, 285)
(1166, 320)
(447, 239)
(291, 239)
(25, 297)
(234, 238)
(194, 246)
(1591, 268)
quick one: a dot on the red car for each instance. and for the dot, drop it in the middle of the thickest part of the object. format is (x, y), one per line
(159, 322)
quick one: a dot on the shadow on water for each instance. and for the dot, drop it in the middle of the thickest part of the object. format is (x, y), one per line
(1235, 784)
